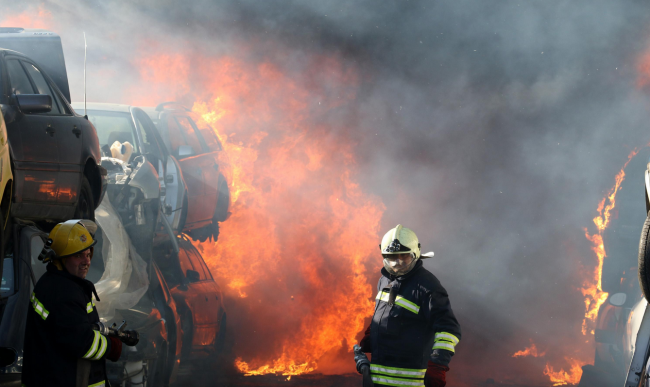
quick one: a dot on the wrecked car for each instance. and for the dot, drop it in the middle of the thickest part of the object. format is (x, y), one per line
(129, 288)
(55, 152)
(208, 197)
(143, 177)
(198, 299)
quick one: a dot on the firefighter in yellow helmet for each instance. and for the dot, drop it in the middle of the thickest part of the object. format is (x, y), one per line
(413, 333)
(61, 346)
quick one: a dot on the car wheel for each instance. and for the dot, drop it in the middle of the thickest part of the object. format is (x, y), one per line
(220, 342)
(157, 369)
(644, 259)
(85, 204)
(183, 219)
(223, 201)
(186, 329)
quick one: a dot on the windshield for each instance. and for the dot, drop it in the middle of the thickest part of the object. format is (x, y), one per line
(111, 127)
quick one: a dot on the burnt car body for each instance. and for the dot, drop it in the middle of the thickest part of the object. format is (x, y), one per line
(124, 123)
(198, 299)
(55, 152)
(208, 197)
(154, 361)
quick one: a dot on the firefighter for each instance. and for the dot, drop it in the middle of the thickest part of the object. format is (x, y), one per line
(61, 347)
(413, 333)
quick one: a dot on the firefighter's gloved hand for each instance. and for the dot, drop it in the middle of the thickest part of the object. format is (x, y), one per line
(435, 375)
(365, 342)
(116, 349)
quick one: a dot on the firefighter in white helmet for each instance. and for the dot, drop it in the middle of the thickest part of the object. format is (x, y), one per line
(61, 347)
(413, 333)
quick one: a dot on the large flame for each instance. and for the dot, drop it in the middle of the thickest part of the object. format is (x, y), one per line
(592, 286)
(296, 252)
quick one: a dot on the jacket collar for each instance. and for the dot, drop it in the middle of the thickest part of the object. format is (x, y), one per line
(86, 285)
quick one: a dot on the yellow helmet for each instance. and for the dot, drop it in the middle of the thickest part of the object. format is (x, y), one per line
(69, 238)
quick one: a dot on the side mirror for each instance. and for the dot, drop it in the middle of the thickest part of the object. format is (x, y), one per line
(192, 275)
(617, 299)
(34, 103)
(185, 151)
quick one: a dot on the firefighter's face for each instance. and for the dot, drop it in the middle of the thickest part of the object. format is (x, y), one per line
(78, 264)
(398, 262)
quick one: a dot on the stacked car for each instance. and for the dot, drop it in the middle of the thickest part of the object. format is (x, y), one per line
(118, 166)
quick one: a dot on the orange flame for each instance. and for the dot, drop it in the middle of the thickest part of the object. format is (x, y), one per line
(562, 377)
(298, 253)
(592, 286)
(529, 351)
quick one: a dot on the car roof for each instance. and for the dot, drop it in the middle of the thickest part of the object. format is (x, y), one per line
(109, 107)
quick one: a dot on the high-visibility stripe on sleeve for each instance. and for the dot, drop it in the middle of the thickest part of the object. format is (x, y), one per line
(388, 381)
(399, 300)
(444, 345)
(38, 307)
(394, 371)
(446, 336)
(98, 384)
(102, 348)
(89, 307)
(94, 346)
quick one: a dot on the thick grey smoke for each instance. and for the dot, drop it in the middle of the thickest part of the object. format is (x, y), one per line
(491, 128)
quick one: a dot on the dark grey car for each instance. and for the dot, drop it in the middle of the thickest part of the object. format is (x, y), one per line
(55, 152)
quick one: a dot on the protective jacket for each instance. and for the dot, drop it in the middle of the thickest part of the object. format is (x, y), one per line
(59, 339)
(410, 327)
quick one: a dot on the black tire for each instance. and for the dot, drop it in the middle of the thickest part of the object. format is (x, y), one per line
(85, 202)
(183, 219)
(223, 201)
(157, 369)
(644, 259)
(186, 329)
(220, 342)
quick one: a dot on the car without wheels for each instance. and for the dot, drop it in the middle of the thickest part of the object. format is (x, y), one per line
(55, 152)
(205, 172)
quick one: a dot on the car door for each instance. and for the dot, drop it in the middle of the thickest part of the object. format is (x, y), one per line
(191, 170)
(169, 171)
(213, 292)
(207, 319)
(204, 167)
(193, 297)
(68, 137)
(34, 143)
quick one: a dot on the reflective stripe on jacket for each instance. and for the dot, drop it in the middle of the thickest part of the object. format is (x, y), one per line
(419, 326)
(59, 332)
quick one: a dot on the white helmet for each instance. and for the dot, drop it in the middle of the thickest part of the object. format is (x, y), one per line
(399, 240)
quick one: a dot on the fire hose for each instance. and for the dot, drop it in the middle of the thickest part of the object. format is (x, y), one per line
(129, 338)
(363, 366)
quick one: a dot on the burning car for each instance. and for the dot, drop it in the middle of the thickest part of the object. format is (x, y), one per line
(55, 152)
(130, 288)
(198, 299)
(208, 197)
